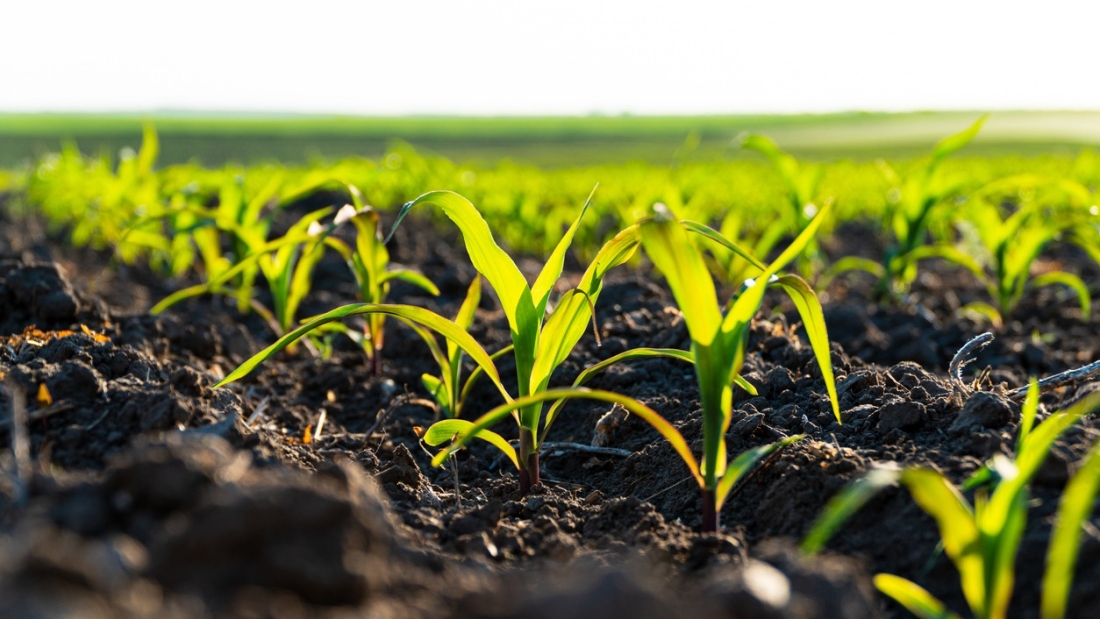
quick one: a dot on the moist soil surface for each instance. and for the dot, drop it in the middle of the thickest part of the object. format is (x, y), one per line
(145, 493)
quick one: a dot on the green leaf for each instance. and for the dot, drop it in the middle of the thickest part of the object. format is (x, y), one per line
(954, 143)
(845, 503)
(411, 277)
(223, 277)
(150, 148)
(717, 237)
(1071, 281)
(438, 391)
(434, 321)
(1076, 505)
(951, 254)
(983, 310)
(743, 463)
(913, 597)
(573, 314)
(551, 271)
(1028, 412)
(813, 320)
(487, 257)
(958, 530)
(589, 372)
(466, 312)
(850, 263)
(667, 245)
(478, 372)
(460, 429)
(748, 303)
(650, 416)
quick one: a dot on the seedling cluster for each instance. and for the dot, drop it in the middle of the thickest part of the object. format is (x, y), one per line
(692, 223)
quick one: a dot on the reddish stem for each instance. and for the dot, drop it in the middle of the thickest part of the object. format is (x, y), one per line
(529, 458)
(710, 512)
(376, 362)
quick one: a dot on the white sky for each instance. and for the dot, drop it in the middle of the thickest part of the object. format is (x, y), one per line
(562, 57)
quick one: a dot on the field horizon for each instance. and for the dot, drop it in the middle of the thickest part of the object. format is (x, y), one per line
(215, 138)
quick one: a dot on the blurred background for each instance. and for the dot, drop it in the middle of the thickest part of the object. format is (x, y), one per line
(556, 84)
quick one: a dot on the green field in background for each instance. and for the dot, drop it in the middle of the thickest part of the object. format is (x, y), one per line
(214, 140)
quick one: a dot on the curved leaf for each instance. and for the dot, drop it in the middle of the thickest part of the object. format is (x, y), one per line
(845, 503)
(983, 310)
(743, 463)
(572, 316)
(1077, 502)
(958, 529)
(913, 597)
(411, 277)
(813, 320)
(713, 235)
(951, 254)
(434, 321)
(667, 245)
(589, 372)
(954, 143)
(487, 257)
(1073, 282)
(850, 263)
(652, 417)
(228, 274)
(460, 429)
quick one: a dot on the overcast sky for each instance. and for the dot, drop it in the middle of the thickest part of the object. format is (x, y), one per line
(561, 57)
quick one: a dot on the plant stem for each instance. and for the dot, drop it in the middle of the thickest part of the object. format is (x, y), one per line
(710, 512)
(376, 362)
(529, 462)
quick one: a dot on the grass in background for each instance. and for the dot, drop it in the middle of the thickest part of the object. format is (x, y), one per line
(214, 139)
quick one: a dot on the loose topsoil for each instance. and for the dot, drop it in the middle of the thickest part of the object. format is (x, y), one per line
(148, 494)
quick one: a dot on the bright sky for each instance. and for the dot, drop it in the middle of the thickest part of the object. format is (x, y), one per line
(534, 57)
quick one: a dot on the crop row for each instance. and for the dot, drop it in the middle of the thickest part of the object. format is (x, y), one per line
(221, 225)
(991, 217)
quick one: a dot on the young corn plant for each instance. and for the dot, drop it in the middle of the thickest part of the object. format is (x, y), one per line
(286, 263)
(981, 539)
(718, 341)
(369, 262)
(909, 214)
(718, 352)
(802, 181)
(1007, 244)
(1076, 504)
(447, 389)
(541, 341)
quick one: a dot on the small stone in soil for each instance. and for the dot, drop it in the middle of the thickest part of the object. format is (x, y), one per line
(901, 416)
(984, 409)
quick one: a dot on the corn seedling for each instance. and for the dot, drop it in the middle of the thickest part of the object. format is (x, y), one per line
(540, 343)
(447, 389)
(286, 262)
(981, 539)
(1008, 244)
(458, 432)
(718, 341)
(909, 213)
(1076, 504)
(369, 263)
(717, 361)
(802, 181)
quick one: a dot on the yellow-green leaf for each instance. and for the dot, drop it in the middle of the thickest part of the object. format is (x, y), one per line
(813, 320)
(455, 429)
(913, 597)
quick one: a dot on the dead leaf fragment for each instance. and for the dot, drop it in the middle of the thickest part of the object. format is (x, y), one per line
(43, 399)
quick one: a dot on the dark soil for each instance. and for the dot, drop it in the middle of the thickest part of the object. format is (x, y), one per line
(150, 495)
